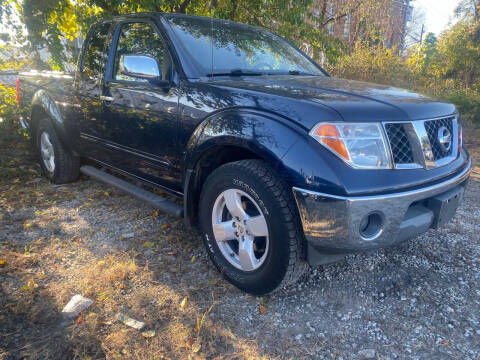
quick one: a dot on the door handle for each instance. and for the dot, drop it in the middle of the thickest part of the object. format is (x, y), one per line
(106, 98)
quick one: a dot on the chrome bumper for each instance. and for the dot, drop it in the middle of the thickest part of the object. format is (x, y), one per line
(334, 224)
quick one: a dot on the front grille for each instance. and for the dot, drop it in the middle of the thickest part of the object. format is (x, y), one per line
(432, 127)
(417, 144)
(399, 143)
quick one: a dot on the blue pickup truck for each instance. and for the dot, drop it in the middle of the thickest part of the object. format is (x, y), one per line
(277, 163)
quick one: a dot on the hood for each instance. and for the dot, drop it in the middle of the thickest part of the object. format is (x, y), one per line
(353, 100)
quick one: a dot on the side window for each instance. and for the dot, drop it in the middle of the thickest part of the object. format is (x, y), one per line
(140, 39)
(95, 52)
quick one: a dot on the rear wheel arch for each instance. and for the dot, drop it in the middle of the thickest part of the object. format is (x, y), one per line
(45, 108)
(38, 113)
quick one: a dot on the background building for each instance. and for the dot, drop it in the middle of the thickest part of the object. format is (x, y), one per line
(344, 20)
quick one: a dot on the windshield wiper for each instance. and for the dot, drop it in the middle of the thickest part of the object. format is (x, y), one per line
(296, 72)
(236, 72)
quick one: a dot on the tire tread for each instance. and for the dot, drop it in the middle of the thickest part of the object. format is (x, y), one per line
(297, 265)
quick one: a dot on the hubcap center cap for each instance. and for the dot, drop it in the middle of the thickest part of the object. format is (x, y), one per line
(241, 230)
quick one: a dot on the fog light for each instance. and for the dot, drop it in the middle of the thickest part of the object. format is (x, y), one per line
(371, 226)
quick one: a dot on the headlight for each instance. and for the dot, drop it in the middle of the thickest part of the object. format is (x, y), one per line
(361, 145)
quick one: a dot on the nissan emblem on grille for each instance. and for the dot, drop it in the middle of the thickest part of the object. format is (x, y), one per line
(444, 137)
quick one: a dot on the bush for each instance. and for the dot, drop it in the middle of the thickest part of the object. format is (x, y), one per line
(426, 70)
(373, 64)
(8, 109)
(467, 102)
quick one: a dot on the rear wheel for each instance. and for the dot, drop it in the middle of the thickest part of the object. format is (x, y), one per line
(250, 227)
(59, 165)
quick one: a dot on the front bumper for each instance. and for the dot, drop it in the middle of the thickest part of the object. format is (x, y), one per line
(337, 224)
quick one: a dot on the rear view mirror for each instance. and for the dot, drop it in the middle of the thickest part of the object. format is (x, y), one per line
(141, 67)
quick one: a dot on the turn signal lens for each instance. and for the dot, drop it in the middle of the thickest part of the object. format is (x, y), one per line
(329, 136)
(361, 145)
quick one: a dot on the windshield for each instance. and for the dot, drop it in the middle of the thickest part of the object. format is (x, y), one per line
(237, 49)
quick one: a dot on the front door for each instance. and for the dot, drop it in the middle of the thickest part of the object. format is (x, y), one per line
(141, 114)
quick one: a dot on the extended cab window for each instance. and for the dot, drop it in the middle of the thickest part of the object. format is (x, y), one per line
(140, 40)
(95, 52)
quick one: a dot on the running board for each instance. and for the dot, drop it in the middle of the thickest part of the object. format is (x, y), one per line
(156, 201)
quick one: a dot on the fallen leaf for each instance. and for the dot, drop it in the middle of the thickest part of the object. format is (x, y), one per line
(106, 193)
(183, 303)
(27, 226)
(193, 259)
(103, 229)
(2, 262)
(444, 342)
(262, 308)
(148, 244)
(196, 347)
(164, 226)
(154, 214)
(148, 334)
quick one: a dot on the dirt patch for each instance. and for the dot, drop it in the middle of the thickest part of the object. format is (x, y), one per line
(418, 300)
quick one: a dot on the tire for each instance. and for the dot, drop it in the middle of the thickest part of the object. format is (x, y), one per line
(63, 167)
(278, 256)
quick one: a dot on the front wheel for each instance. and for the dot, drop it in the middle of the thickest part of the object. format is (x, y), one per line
(250, 227)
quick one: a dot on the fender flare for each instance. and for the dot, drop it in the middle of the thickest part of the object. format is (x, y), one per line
(268, 135)
(42, 100)
(264, 134)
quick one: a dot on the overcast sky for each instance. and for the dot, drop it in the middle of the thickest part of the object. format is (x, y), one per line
(438, 13)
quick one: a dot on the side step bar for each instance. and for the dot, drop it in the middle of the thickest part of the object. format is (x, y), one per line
(156, 201)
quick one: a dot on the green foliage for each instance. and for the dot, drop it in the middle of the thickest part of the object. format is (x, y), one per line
(459, 49)
(374, 64)
(447, 67)
(48, 20)
(467, 102)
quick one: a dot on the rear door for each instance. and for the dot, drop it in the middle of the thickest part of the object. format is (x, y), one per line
(88, 91)
(141, 116)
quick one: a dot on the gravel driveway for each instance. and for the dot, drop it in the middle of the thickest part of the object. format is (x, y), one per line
(419, 300)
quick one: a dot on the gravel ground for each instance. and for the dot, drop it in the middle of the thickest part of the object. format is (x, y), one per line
(419, 300)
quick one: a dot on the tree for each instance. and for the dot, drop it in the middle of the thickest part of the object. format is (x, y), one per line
(459, 49)
(48, 21)
(468, 9)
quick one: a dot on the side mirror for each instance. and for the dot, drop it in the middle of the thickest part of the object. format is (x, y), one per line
(142, 67)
